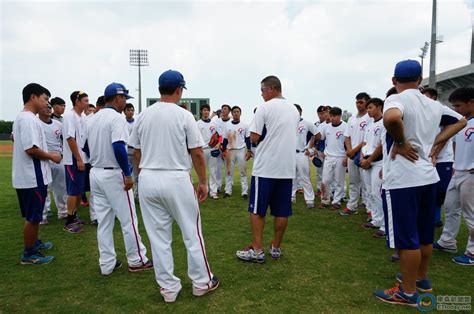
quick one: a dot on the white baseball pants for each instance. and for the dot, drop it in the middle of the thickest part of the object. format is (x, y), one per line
(166, 196)
(373, 184)
(356, 185)
(459, 199)
(110, 201)
(303, 178)
(211, 163)
(219, 171)
(236, 156)
(58, 189)
(135, 175)
(333, 172)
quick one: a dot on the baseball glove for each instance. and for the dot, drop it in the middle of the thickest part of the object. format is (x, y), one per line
(214, 140)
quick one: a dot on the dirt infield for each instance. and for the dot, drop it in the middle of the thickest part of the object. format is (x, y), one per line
(6, 150)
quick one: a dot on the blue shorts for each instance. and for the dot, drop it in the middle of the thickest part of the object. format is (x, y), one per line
(75, 179)
(409, 216)
(445, 172)
(32, 202)
(275, 193)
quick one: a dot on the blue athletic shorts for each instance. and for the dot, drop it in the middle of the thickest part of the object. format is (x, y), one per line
(75, 179)
(409, 216)
(265, 192)
(32, 202)
(445, 172)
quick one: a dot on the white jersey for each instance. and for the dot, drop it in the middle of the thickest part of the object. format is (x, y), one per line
(235, 134)
(221, 125)
(54, 136)
(422, 117)
(28, 172)
(372, 136)
(130, 125)
(447, 153)
(73, 127)
(304, 132)
(164, 133)
(276, 121)
(100, 136)
(207, 129)
(334, 137)
(356, 128)
(464, 149)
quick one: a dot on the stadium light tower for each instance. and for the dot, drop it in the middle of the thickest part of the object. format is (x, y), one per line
(139, 58)
(422, 55)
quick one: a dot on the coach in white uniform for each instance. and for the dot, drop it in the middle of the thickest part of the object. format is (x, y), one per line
(54, 140)
(111, 182)
(460, 194)
(274, 169)
(236, 143)
(354, 136)
(166, 139)
(409, 188)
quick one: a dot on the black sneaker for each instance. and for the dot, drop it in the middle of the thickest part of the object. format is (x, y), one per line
(245, 196)
(226, 195)
(210, 287)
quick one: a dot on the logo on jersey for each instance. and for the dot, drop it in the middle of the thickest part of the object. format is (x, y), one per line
(211, 129)
(377, 130)
(240, 130)
(362, 125)
(469, 134)
(339, 134)
(301, 129)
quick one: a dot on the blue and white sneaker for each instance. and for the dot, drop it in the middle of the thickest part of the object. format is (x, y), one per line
(43, 246)
(422, 285)
(250, 255)
(275, 252)
(437, 246)
(36, 259)
(396, 295)
(463, 260)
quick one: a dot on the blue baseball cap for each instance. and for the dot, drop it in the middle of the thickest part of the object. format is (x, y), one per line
(172, 79)
(114, 89)
(407, 68)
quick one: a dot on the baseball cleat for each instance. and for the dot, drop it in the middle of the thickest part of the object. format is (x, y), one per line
(336, 206)
(248, 254)
(146, 266)
(118, 265)
(422, 285)
(396, 295)
(463, 260)
(72, 228)
(322, 205)
(369, 225)
(245, 196)
(346, 212)
(36, 259)
(44, 222)
(214, 197)
(94, 222)
(437, 246)
(226, 195)
(378, 234)
(275, 252)
(169, 296)
(211, 286)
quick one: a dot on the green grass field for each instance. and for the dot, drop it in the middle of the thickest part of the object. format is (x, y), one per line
(330, 264)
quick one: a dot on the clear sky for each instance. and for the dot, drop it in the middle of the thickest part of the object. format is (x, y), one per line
(325, 52)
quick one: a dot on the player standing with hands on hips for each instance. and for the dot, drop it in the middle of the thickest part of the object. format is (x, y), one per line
(274, 168)
(111, 178)
(31, 172)
(166, 139)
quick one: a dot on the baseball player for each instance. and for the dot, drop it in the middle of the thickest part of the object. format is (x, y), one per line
(52, 130)
(30, 172)
(166, 139)
(323, 120)
(236, 146)
(411, 121)
(106, 136)
(354, 135)
(371, 162)
(274, 169)
(304, 133)
(129, 113)
(221, 124)
(460, 196)
(59, 105)
(208, 129)
(74, 158)
(335, 160)
(87, 182)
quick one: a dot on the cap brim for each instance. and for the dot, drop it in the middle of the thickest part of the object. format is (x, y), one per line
(128, 96)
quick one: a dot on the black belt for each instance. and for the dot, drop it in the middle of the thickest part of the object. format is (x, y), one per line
(299, 151)
(110, 168)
